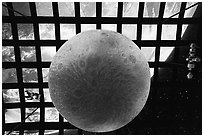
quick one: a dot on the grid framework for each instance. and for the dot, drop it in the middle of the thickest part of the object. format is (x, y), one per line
(77, 20)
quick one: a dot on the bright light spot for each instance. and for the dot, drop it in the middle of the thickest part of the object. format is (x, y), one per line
(13, 115)
(88, 9)
(184, 27)
(151, 9)
(67, 31)
(44, 8)
(165, 52)
(85, 27)
(65, 120)
(47, 31)
(45, 72)
(66, 9)
(130, 31)
(112, 27)
(149, 53)
(130, 9)
(47, 97)
(169, 32)
(47, 53)
(51, 114)
(109, 9)
(11, 95)
(171, 8)
(151, 72)
(28, 53)
(149, 32)
(35, 117)
(189, 13)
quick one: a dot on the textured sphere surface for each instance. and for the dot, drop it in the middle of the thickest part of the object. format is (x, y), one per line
(99, 80)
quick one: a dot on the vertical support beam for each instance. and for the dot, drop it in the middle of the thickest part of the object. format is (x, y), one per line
(119, 17)
(139, 25)
(98, 14)
(39, 68)
(18, 67)
(77, 16)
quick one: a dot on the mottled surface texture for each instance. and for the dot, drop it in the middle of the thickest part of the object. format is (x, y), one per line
(99, 80)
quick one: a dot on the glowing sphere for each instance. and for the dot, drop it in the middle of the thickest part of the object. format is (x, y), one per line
(99, 80)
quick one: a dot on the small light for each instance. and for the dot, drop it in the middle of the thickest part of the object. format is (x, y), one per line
(197, 60)
(192, 45)
(190, 75)
(191, 65)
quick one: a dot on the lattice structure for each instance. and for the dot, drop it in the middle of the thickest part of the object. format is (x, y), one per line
(151, 120)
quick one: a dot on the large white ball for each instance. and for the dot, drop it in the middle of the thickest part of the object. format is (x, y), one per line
(99, 80)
